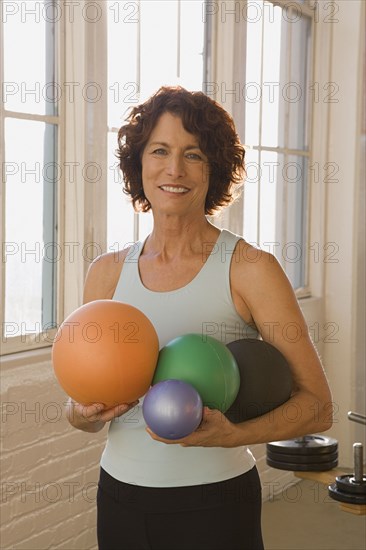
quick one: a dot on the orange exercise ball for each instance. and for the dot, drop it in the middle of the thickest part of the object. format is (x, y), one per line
(105, 352)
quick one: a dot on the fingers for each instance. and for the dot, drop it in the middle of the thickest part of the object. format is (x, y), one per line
(96, 412)
(118, 410)
(184, 441)
(212, 431)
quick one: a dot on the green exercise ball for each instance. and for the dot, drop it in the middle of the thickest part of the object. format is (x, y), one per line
(206, 364)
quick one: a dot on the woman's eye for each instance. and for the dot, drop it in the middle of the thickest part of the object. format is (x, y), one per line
(159, 152)
(194, 156)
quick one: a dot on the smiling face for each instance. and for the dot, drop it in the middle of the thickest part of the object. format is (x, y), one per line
(174, 169)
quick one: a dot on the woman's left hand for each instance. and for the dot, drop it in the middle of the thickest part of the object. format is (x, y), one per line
(215, 430)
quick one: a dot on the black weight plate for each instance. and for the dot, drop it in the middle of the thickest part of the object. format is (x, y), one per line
(303, 459)
(346, 484)
(311, 445)
(353, 498)
(317, 467)
(265, 379)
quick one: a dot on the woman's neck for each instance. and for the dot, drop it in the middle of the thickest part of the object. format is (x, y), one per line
(173, 240)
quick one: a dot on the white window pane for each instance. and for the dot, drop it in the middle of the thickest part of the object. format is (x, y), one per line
(29, 69)
(251, 196)
(297, 90)
(191, 44)
(270, 200)
(123, 23)
(159, 23)
(145, 224)
(271, 85)
(31, 251)
(253, 88)
(294, 248)
(120, 218)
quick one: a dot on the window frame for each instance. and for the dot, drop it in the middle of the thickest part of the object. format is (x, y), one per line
(84, 200)
(233, 34)
(33, 341)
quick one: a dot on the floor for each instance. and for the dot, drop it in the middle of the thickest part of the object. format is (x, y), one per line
(305, 518)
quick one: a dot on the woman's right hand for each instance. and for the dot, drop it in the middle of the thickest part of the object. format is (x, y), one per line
(92, 418)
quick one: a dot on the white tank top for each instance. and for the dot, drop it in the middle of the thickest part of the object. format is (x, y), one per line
(203, 306)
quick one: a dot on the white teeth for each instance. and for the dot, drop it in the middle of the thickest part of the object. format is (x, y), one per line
(174, 189)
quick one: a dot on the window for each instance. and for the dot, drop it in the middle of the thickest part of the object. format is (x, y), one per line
(30, 143)
(150, 44)
(277, 85)
(266, 86)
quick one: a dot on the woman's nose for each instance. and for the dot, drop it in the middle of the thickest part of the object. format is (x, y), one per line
(175, 166)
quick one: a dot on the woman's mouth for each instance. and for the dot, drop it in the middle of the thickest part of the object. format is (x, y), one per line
(174, 189)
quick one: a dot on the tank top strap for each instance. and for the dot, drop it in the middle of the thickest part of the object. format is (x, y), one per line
(215, 274)
(224, 249)
(130, 269)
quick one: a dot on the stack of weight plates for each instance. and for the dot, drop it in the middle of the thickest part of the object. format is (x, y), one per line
(347, 489)
(351, 488)
(311, 453)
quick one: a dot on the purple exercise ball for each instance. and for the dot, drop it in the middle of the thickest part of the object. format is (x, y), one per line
(172, 409)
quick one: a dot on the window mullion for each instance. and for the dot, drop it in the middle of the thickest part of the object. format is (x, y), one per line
(284, 188)
(74, 157)
(303, 9)
(51, 119)
(49, 281)
(178, 36)
(136, 225)
(2, 187)
(283, 150)
(260, 141)
(60, 57)
(95, 191)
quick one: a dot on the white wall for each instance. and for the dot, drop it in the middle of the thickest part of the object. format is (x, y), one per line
(342, 226)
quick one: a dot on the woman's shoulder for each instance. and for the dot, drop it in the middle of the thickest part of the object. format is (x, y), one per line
(254, 268)
(103, 274)
(245, 252)
(252, 256)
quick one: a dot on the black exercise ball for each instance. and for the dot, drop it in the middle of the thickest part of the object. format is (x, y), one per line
(265, 379)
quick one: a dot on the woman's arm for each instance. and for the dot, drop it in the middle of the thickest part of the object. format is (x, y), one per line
(267, 295)
(272, 303)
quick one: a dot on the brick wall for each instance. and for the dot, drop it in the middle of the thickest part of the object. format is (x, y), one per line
(49, 470)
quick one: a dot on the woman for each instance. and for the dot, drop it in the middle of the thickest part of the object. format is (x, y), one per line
(181, 158)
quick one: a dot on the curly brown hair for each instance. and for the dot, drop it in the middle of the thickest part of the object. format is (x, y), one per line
(201, 116)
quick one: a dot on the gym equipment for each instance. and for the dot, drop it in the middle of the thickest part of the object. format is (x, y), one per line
(305, 445)
(351, 488)
(357, 417)
(172, 409)
(313, 453)
(105, 352)
(304, 459)
(265, 379)
(296, 467)
(203, 362)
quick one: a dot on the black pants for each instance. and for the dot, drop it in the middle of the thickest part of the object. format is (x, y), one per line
(216, 516)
